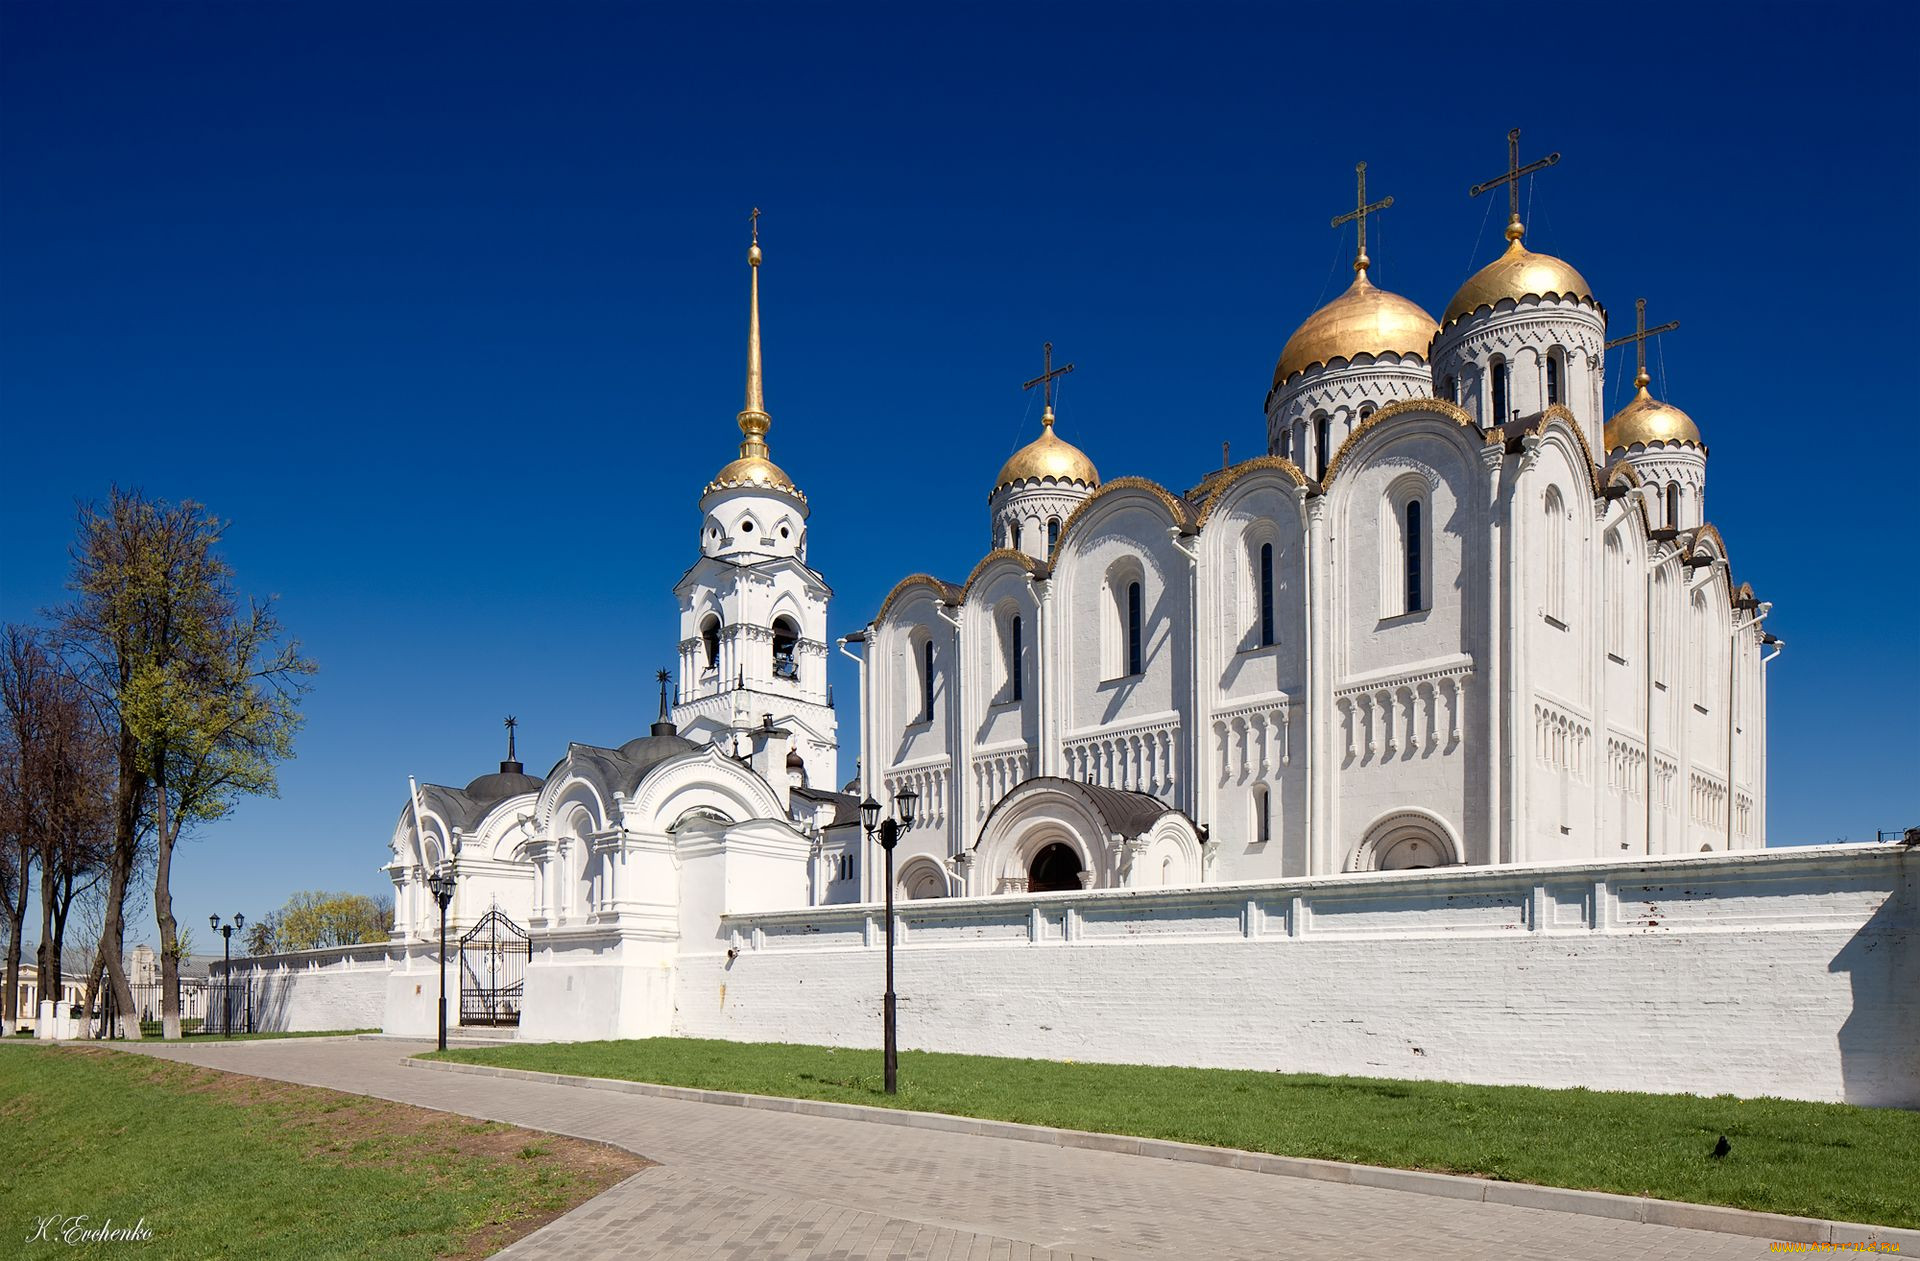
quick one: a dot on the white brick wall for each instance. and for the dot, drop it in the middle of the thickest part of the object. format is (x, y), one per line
(340, 988)
(1782, 972)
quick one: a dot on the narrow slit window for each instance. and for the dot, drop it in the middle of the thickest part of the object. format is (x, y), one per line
(1499, 393)
(926, 680)
(1053, 535)
(1322, 435)
(1015, 658)
(1133, 628)
(1553, 379)
(1266, 594)
(1673, 505)
(1415, 595)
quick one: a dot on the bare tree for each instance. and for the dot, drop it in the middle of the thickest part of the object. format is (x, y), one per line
(194, 683)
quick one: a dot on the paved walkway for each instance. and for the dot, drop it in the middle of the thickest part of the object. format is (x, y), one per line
(745, 1184)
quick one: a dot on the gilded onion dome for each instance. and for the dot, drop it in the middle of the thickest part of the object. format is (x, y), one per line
(1646, 420)
(1362, 321)
(1048, 457)
(1518, 273)
(754, 467)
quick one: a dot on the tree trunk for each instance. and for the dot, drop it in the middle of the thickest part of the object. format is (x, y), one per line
(16, 919)
(163, 912)
(50, 924)
(126, 842)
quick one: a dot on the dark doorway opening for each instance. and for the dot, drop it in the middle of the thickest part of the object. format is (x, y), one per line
(1055, 869)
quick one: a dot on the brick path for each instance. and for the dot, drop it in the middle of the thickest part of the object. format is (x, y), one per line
(744, 1184)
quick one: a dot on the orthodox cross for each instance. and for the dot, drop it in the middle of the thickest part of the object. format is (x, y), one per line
(1361, 211)
(662, 676)
(754, 220)
(1639, 337)
(1045, 379)
(512, 722)
(1514, 171)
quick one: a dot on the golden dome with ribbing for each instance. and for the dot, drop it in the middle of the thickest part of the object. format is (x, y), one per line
(1646, 420)
(756, 471)
(1048, 456)
(1518, 273)
(1364, 320)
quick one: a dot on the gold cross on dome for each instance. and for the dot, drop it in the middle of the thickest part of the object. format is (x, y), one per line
(1360, 212)
(1639, 337)
(1046, 377)
(1514, 171)
(754, 220)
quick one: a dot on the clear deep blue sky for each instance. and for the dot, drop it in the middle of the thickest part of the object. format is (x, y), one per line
(444, 307)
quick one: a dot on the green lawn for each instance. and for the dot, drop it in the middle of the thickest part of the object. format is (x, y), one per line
(1809, 1159)
(222, 1165)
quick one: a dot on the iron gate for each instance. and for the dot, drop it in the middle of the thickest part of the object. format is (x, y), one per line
(493, 971)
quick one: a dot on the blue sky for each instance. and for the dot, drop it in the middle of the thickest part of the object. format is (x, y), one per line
(443, 306)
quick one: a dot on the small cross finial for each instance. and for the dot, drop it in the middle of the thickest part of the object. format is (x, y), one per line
(1360, 212)
(662, 676)
(1639, 337)
(754, 221)
(1046, 379)
(512, 722)
(1512, 180)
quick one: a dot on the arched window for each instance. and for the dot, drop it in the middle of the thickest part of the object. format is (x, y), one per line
(1411, 557)
(1500, 375)
(1286, 444)
(1322, 437)
(1616, 596)
(710, 641)
(1266, 594)
(1053, 535)
(1013, 535)
(786, 639)
(1262, 815)
(1673, 505)
(1553, 377)
(1134, 627)
(926, 680)
(1016, 658)
(1366, 410)
(1556, 555)
(1450, 388)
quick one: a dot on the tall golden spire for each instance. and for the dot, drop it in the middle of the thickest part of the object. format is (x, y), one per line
(753, 417)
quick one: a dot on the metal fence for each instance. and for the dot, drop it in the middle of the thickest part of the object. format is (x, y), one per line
(207, 1006)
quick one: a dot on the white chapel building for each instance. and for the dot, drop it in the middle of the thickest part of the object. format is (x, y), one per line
(1454, 616)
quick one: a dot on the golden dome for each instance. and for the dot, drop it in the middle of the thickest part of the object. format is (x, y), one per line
(755, 470)
(1362, 321)
(1518, 273)
(1646, 420)
(1048, 457)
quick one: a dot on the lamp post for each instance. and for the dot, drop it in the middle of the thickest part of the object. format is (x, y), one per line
(440, 884)
(904, 804)
(226, 932)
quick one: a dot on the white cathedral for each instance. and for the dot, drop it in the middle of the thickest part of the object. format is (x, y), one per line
(1453, 616)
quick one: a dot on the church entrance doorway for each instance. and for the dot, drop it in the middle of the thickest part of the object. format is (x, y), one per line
(1055, 869)
(493, 971)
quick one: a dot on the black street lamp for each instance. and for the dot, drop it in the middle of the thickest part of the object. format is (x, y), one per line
(226, 932)
(904, 803)
(440, 884)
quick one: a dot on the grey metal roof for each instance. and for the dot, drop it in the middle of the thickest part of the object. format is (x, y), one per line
(1125, 813)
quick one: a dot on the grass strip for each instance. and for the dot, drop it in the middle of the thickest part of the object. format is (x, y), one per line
(1808, 1159)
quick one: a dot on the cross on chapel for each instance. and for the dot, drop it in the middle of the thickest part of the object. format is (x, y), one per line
(1512, 179)
(1360, 212)
(1639, 337)
(1045, 379)
(512, 722)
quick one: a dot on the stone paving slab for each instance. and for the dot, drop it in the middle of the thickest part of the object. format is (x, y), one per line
(748, 1183)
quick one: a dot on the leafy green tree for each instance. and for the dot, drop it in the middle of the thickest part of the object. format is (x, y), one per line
(196, 685)
(314, 919)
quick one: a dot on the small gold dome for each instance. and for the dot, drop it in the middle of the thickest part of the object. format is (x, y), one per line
(1048, 457)
(754, 470)
(1646, 420)
(1362, 321)
(1518, 273)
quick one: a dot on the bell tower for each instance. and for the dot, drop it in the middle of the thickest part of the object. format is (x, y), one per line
(753, 614)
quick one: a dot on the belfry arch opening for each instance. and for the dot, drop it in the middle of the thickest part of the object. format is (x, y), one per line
(1055, 869)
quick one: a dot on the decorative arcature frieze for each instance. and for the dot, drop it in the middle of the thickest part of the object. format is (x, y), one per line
(933, 781)
(1140, 758)
(1626, 765)
(1742, 813)
(1560, 738)
(1707, 800)
(1254, 740)
(1415, 714)
(995, 773)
